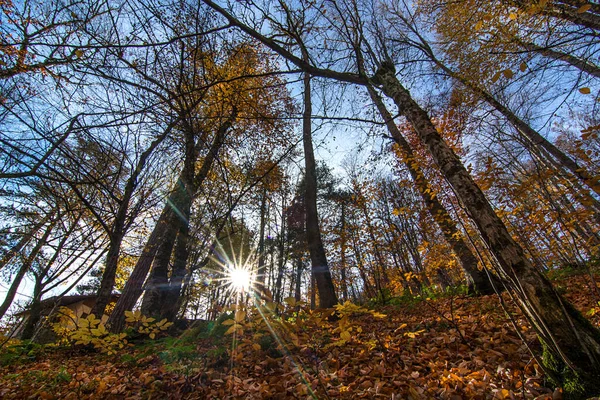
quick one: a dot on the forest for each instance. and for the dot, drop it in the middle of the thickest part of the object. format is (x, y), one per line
(308, 199)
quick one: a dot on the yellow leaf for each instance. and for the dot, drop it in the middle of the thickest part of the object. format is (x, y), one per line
(231, 329)
(512, 16)
(228, 322)
(584, 8)
(256, 346)
(345, 335)
(523, 67)
(240, 315)
(479, 25)
(584, 90)
(79, 53)
(507, 73)
(496, 77)
(152, 335)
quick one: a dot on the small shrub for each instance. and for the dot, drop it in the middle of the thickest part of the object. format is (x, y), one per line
(145, 325)
(91, 331)
(20, 351)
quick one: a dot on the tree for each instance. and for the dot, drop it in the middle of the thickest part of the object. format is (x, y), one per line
(558, 325)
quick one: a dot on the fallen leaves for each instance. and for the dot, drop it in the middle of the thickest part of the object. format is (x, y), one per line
(459, 348)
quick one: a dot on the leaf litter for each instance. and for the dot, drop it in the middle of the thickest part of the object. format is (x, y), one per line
(449, 348)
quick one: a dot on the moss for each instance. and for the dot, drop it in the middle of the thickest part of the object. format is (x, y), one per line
(558, 374)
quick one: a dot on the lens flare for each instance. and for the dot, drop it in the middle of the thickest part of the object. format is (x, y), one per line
(239, 278)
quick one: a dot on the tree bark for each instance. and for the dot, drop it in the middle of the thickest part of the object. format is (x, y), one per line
(119, 228)
(134, 285)
(282, 257)
(320, 268)
(343, 251)
(12, 291)
(562, 329)
(172, 292)
(260, 273)
(475, 277)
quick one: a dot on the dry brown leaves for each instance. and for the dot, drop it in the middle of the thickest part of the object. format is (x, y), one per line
(442, 349)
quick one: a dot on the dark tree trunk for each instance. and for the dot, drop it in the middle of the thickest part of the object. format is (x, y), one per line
(158, 280)
(133, 287)
(170, 298)
(569, 336)
(260, 273)
(119, 228)
(298, 282)
(320, 268)
(110, 268)
(12, 291)
(35, 310)
(343, 251)
(172, 292)
(476, 277)
(282, 257)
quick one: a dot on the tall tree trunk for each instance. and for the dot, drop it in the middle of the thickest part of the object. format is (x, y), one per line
(320, 268)
(158, 281)
(343, 251)
(260, 273)
(476, 277)
(134, 285)
(566, 334)
(171, 293)
(12, 291)
(119, 228)
(313, 292)
(298, 282)
(282, 257)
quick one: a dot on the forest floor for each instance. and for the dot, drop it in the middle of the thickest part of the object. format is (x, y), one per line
(446, 348)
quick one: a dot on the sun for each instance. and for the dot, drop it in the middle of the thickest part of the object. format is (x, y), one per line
(239, 278)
